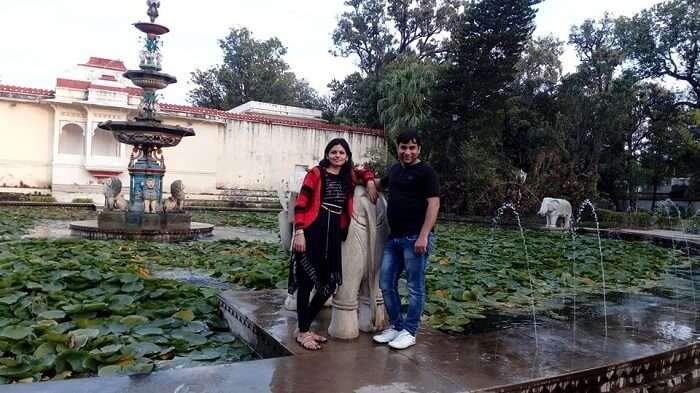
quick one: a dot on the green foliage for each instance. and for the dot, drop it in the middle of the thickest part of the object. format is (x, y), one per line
(613, 219)
(476, 271)
(406, 89)
(693, 226)
(42, 198)
(17, 220)
(251, 70)
(377, 31)
(662, 42)
(82, 200)
(78, 308)
(260, 220)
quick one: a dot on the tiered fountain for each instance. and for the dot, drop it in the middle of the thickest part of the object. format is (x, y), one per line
(146, 216)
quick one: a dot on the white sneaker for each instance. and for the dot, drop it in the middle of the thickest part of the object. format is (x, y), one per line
(386, 336)
(403, 340)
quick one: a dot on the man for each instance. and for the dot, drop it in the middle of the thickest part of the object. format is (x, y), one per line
(412, 210)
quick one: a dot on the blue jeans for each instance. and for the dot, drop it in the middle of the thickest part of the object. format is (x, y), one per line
(400, 255)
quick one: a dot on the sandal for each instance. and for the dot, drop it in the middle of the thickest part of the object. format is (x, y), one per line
(318, 337)
(307, 341)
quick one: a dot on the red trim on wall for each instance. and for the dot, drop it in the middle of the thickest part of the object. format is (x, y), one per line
(26, 90)
(195, 110)
(269, 120)
(85, 85)
(103, 174)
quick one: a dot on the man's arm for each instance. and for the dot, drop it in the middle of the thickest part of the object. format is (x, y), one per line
(431, 213)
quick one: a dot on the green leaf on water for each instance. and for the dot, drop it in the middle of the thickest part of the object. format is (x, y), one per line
(52, 314)
(133, 320)
(185, 315)
(16, 332)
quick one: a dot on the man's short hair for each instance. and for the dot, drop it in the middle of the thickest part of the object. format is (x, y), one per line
(409, 135)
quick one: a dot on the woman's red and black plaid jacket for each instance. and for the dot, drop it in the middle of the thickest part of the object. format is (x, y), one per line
(308, 202)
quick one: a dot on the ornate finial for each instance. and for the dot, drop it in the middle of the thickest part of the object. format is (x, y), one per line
(153, 9)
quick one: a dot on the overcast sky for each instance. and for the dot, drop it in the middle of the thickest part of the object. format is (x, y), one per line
(43, 38)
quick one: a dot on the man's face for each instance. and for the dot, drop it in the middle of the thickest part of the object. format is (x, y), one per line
(408, 152)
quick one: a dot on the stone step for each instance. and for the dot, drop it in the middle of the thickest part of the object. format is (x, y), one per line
(244, 192)
(190, 203)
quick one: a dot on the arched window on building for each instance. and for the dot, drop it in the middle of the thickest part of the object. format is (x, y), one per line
(71, 140)
(104, 144)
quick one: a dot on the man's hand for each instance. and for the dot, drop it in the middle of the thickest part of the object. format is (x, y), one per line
(299, 244)
(372, 192)
(421, 246)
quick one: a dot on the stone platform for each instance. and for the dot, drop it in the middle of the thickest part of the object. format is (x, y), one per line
(91, 230)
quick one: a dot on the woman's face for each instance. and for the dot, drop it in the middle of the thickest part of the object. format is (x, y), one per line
(337, 156)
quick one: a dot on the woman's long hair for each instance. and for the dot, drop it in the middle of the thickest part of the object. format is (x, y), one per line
(346, 169)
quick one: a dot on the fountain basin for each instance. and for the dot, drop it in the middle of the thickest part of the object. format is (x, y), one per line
(150, 79)
(147, 132)
(150, 227)
(151, 28)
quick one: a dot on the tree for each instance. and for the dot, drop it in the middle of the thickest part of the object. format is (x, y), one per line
(378, 31)
(406, 90)
(251, 70)
(664, 41)
(487, 41)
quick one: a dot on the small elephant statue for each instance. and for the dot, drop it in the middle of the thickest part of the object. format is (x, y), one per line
(150, 196)
(552, 209)
(112, 187)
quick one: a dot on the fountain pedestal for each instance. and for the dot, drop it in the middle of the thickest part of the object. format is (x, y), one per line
(145, 217)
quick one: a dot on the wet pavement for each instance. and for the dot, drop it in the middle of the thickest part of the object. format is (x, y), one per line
(638, 326)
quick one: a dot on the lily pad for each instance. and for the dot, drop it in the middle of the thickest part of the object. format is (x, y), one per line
(52, 314)
(133, 320)
(16, 332)
(185, 315)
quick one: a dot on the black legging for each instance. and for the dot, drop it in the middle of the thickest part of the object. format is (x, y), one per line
(306, 312)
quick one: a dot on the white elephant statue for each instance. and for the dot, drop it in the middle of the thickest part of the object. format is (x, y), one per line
(553, 208)
(358, 303)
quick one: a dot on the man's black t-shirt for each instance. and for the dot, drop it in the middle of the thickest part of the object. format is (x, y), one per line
(409, 187)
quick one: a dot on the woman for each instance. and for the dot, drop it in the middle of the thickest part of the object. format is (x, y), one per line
(321, 219)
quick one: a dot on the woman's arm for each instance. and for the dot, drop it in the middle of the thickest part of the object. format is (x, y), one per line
(367, 176)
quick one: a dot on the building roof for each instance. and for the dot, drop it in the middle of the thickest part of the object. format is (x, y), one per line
(26, 91)
(193, 110)
(196, 110)
(109, 64)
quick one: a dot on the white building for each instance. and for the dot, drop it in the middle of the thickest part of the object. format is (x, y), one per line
(51, 142)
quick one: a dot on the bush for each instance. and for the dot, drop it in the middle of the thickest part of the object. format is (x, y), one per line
(613, 219)
(42, 198)
(13, 196)
(693, 226)
(83, 200)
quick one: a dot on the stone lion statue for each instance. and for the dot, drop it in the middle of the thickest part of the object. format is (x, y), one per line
(150, 196)
(553, 208)
(112, 187)
(176, 200)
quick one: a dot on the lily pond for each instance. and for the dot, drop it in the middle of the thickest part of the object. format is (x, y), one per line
(72, 307)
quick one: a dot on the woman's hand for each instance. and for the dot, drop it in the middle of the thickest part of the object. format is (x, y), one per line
(299, 244)
(372, 192)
